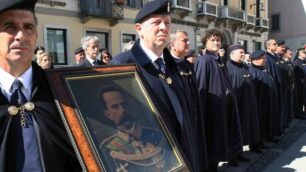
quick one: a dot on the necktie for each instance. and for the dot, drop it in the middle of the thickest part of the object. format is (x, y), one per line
(161, 65)
(95, 63)
(24, 153)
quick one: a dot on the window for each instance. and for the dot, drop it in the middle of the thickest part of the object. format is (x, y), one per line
(103, 37)
(275, 25)
(183, 3)
(225, 2)
(244, 43)
(257, 45)
(57, 45)
(126, 38)
(242, 5)
(134, 3)
(97, 4)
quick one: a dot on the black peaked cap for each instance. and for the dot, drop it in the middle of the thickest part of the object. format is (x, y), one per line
(17, 4)
(153, 7)
(256, 54)
(234, 47)
(78, 50)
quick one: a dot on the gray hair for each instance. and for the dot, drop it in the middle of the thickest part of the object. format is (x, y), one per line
(173, 34)
(85, 41)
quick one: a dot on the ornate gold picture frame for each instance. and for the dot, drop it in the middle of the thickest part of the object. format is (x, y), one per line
(112, 121)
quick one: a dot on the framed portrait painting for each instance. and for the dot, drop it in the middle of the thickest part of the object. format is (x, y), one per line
(112, 121)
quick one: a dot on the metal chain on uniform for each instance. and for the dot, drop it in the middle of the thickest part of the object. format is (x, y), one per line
(27, 106)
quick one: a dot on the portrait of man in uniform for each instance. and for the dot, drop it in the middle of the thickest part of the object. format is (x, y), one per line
(132, 147)
(120, 122)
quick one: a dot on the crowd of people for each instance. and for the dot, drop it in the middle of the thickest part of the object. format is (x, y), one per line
(212, 104)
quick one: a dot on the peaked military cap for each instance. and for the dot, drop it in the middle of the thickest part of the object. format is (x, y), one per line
(153, 7)
(280, 42)
(78, 50)
(234, 47)
(17, 4)
(256, 54)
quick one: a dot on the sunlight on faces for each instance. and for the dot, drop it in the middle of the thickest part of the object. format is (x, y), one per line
(46, 62)
(18, 35)
(237, 55)
(181, 44)
(93, 49)
(154, 32)
(213, 44)
(261, 61)
(272, 45)
(116, 106)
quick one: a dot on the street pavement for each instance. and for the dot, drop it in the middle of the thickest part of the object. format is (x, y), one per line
(287, 155)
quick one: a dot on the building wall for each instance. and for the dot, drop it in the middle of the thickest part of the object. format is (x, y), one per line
(68, 17)
(292, 21)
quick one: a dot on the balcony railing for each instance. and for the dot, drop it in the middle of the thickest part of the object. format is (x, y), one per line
(182, 4)
(251, 19)
(101, 8)
(262, 22)
(232, 13)
(207, 9)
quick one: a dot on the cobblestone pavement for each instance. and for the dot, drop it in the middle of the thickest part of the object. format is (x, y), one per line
(288, 155)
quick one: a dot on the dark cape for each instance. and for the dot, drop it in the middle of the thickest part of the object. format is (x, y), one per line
(266, 95)
(289, 89)
(170, 99)
(54, 144)
(191, 91)
(246, 98)
(284, 71)
(300, 80)
(272, 66)
(223, 132)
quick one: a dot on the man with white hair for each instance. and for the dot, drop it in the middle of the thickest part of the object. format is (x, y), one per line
(90, 45)
(245, 92)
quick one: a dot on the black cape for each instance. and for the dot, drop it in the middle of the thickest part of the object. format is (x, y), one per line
(223, 132)
(191, 91)
(170, 99)
(272, 66)
(54, 144)
(245, 92)
(300, 78)
(266, 95)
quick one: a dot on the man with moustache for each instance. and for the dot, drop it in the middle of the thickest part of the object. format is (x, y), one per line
(133, 147)
(32, 134)
(156, 64)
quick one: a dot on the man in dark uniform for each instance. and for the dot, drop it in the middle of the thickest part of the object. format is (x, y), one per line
(224, 139)
(272, 66)
(266, 94)
(283, 67)
(161, 75)
(90, 45)
(300, 78)
(244, 88)
(132, 147)
(179, 44)
(32, 134)
(290, 91)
